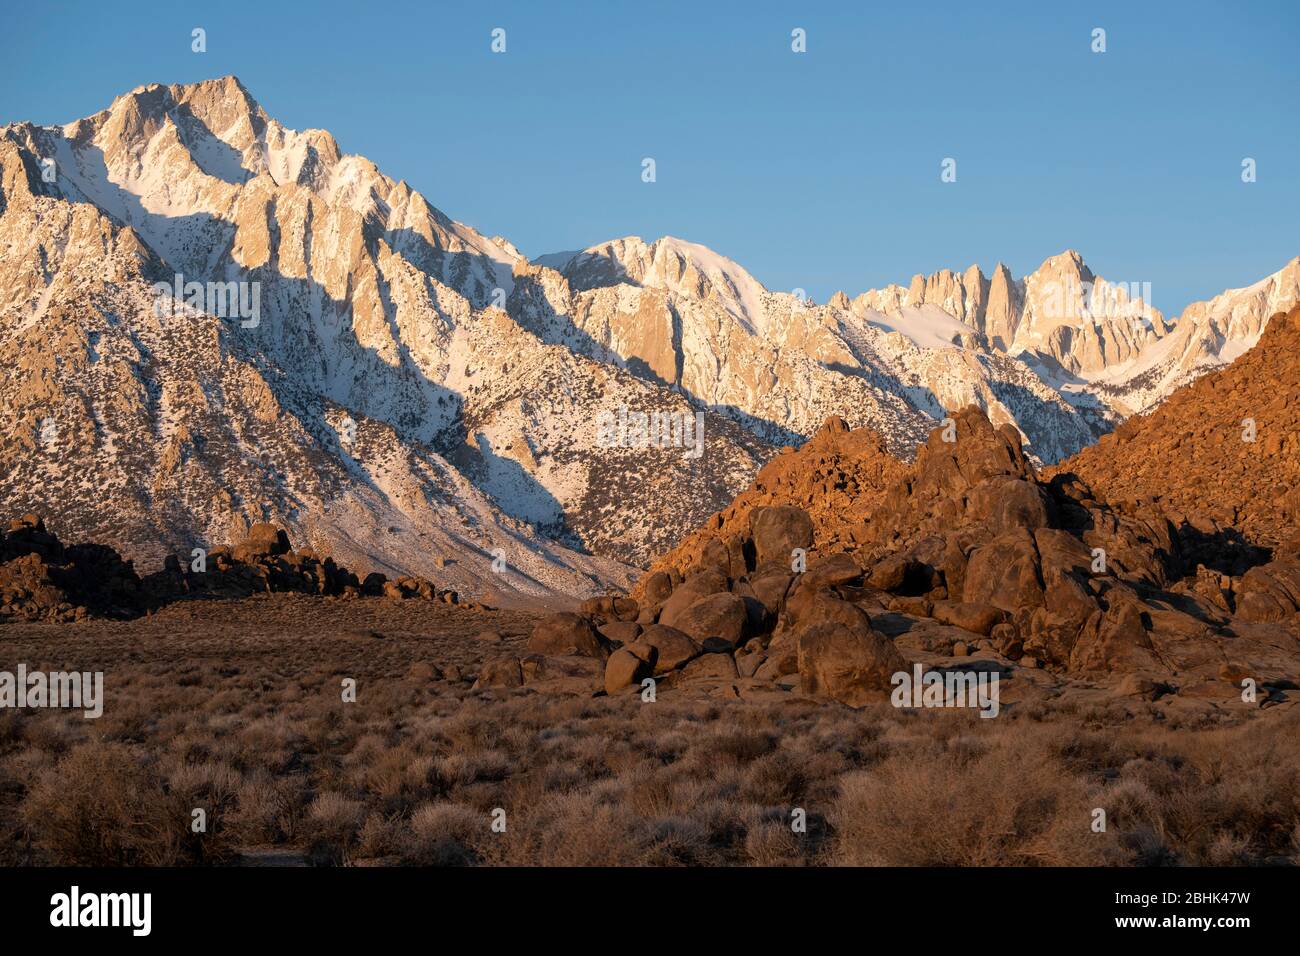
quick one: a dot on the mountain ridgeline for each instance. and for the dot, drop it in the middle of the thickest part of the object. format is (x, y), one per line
(215, 321)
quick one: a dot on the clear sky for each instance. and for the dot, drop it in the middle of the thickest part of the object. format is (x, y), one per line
(818, 170)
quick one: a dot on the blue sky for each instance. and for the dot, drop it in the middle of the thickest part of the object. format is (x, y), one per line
(817, 170)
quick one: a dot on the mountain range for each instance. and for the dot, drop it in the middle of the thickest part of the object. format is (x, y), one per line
(402, 391)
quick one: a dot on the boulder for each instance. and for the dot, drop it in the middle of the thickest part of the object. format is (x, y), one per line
(782, 658)
(759, 618)
(834, 570)
(1007, 641)
(1270, 592)
(263, 539)
(688, 592)
(901, 574)
(1116, 641)
(808, 604)
(28, 522)
(566, 633)
(657, 587)
(740, 551)
(672, 647)
(628, 666)
(1003, 503)
(570, 675)
(610, 608)
(393, 590)
(852, 665)
(1004, 573)
(770, 590)
(722, 616)
(777, 531)
(915, 606)
(951, 562)
(748, 664)
(976, 618)
(710, 667)
(1135, 685)
(620, 632)
(499, 672)
(713, 553)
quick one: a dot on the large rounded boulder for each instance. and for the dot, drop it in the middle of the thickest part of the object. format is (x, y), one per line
(566, 633)
(723, 616)
(628, 666)
(1005, 573)
(777, 531)
(849, 664)
(688, 592)
(672, 647)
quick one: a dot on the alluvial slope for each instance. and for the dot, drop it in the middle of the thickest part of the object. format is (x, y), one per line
(1224, 449)
(533, 424)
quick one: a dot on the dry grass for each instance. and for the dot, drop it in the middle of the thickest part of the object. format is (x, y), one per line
(252, 729)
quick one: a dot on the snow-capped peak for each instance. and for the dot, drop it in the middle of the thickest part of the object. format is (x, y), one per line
(677, 265)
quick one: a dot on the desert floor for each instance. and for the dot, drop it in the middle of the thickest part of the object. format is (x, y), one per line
(236, 708)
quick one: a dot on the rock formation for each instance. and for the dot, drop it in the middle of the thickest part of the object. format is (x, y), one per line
(42, 579)
(1180, 567)
(1222, 454)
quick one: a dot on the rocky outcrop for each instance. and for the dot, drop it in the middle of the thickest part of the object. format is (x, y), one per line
(1043, 570)
(967, 473)
(42, 579)
(266, 561)
(816, 498)
(974, 539)
(743, 618)
(1270, 592)
(1221, 456)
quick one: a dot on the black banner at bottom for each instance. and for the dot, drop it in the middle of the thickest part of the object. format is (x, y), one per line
(334, 905)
